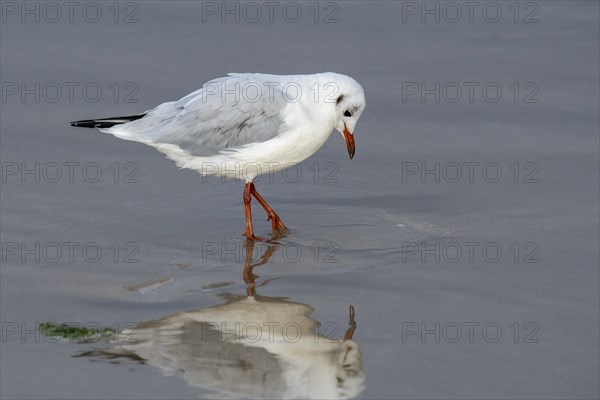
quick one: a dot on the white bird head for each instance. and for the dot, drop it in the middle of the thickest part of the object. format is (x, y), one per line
(349, 105)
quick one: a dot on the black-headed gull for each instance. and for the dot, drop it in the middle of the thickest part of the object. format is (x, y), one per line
(244, 125)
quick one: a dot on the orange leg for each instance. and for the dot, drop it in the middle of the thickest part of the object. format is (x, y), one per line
(276, 224)
(249, 231)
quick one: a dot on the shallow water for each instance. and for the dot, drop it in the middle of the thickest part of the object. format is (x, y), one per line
(479, 280)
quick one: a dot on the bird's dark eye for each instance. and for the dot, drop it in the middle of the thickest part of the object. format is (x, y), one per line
(347, 113)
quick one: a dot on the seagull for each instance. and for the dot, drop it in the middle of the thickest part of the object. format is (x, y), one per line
(244, 125)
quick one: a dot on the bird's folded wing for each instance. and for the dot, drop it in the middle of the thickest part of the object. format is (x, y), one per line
(226, 114)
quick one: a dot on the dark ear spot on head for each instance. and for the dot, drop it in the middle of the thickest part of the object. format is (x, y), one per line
(339, 99)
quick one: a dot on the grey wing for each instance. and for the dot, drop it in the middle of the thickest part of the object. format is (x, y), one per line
(203, 125)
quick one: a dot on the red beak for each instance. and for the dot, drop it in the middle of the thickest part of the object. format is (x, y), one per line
(349, 137)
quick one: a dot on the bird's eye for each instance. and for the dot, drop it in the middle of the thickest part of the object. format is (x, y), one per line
(347, 113)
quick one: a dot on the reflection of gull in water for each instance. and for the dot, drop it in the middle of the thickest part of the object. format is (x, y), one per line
(250, 346)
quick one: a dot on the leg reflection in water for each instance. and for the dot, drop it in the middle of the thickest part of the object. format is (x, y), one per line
(250, 346)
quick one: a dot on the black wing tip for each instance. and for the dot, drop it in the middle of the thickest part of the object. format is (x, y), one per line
(84, 123)
(105, 122)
